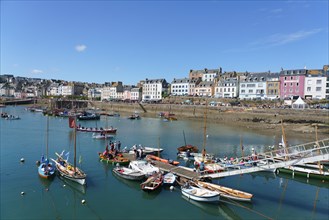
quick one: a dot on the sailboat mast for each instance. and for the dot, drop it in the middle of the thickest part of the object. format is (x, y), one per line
(75, 143)
(204, 133)
(47, 136)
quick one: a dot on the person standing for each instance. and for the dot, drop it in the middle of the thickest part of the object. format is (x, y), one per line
(119, 145)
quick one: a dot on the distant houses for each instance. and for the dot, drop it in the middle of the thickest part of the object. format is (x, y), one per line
(304, 83)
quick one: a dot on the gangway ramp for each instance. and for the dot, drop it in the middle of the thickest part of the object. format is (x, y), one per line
(298, 154)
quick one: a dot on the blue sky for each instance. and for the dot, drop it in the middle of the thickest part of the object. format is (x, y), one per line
(103, 41)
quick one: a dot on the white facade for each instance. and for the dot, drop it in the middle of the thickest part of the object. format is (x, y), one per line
(135, 94)
(152, 89)
(180, 87)
(66, 90)
(315, 87)
(253, 88)
(208, 77)
(94, 93)
(227, 89)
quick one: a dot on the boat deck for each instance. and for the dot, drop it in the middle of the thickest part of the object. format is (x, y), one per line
(187, 173)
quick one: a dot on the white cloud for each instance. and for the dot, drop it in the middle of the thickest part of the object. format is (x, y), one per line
(36, 71)
(280, 39)
(80, 47)
(275, 40)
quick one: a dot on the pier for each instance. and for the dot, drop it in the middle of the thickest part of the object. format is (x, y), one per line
(294, 155)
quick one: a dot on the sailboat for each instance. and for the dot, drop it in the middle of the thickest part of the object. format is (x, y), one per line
(66, 169)
(205, 161)
(46, 169)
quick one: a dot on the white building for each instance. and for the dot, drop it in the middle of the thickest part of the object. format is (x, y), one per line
(180, 87)
(114, 90)
(94, 93)
(153, 89)
(253, 87)
(227, 88)
(315, 86)
(136, 94)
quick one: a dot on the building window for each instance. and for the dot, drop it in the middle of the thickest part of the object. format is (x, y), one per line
(309, 82)
(318, 89)
(318, 81)
(242, 91)
(308, 89)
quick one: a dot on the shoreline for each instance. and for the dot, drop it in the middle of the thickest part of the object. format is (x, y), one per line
(297, 123)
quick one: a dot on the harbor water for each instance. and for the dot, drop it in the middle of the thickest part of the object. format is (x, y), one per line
(276, 196)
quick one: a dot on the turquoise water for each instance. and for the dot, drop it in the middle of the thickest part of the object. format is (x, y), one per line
(108, 197)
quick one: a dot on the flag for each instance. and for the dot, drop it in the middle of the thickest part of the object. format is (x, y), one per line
(242, 147)
(80, 159)
(72, 122)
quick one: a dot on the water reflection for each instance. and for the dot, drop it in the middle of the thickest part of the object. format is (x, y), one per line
(76, 187)
(215, 209)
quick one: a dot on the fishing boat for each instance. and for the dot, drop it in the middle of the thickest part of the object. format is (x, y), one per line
(114, 159)
(199, 194)
(110, 130)
(102, 136)
(153, 182)
(144, 150)
(46, 169)
(144, 167)
(169, 179)
(89, 116)
(127, 173)
(12, 117)
(186, 147)
(134, 116)
(66, 169)
(153, 157)
(226, 192)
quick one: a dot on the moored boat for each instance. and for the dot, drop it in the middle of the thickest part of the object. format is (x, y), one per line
(226, 192)
(200, 194)
(110, 130)
(128, 173)
(118, 159)
(102, 136)
(69, 171)
(144, 167)
(169, 179)
(152, 157)
(153, 182)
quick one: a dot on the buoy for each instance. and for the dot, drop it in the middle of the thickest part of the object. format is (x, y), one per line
(171, 188)
(22, 159)
(37, 162)
(83, 201)
(22, 193)
(64, 185)
(47, 189)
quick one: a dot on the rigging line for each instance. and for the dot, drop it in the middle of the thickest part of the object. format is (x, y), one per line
(245, 207)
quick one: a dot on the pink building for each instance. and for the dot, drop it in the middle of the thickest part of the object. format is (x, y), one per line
(292, 83)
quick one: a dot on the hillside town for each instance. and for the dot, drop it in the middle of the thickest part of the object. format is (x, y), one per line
(311, 84)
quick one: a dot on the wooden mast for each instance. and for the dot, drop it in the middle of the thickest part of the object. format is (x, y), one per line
(75, 144)
(204, 133)
(47, 137)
